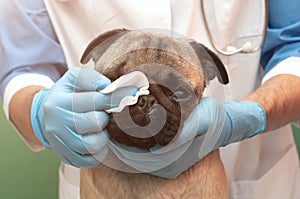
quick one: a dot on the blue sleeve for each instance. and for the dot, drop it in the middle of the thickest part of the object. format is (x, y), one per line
(283, 33)
(27, 42)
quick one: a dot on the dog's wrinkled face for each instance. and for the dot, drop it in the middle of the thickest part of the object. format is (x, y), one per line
(168, 88)
(177, 71)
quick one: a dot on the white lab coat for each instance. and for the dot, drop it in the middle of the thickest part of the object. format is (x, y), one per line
(265, 166)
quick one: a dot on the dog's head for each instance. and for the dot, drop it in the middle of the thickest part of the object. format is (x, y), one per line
(177, 69)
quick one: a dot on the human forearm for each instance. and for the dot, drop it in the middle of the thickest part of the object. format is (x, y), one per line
(280, 97)
(19, 109)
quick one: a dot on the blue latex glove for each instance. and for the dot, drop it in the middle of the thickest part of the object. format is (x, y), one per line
(216, 124)
(69, 118)
(212, 124)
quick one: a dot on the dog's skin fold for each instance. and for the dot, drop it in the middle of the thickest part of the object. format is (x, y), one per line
(178, 70)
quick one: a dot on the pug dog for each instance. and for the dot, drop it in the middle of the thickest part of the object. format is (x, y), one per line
(178, 69)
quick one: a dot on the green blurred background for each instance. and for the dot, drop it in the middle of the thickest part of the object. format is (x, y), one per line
(297, 138)
(28, 175)
(24, 174)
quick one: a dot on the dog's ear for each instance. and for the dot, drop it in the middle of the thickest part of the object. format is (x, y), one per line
(95, 50)
(211, 64)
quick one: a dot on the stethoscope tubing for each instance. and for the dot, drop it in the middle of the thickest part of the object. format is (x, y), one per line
(247, 47)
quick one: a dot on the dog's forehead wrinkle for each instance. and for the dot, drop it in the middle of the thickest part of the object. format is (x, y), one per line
(170, 80)
(134, 40)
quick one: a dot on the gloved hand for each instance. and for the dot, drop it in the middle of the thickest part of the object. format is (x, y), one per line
(69, 117)
(211, 124)
(216, 124)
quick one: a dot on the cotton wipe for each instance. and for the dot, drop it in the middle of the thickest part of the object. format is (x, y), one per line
(136, 79)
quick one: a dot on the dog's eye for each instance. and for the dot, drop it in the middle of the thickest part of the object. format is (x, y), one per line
(181, 94)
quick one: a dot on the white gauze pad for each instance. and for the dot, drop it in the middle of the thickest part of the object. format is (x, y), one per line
(136, 79)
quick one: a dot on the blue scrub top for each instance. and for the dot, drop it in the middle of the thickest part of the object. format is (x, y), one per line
(283, 33)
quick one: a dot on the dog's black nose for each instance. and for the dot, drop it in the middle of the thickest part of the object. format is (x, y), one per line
(145, 103)
(140, 112)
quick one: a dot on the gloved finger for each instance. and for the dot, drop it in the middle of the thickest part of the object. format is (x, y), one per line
(89, 122)
(142, 160)
(76, 159)
(206, 121)
(132, 153)
(184, 161)
(203, 117)
(135, 163)
(95, 142)
(188, 133)
(178, 146)
(83, 161)
(156, 160)
(84, 79)
(91, 160)
(89, 101)
(82, 123)
(83, 144)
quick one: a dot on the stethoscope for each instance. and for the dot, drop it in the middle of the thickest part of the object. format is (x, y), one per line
(247, 47)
